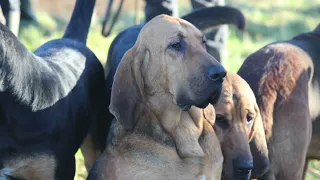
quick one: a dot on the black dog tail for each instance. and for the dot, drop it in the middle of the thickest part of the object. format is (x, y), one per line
(79, 24)
(106, 30)
(208, 18)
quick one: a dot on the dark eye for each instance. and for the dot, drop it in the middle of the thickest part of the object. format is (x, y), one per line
(176, 46)
(204, 40)
(249, 119)
(221, 121)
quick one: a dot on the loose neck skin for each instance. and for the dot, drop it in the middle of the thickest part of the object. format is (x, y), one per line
(168, 113)
(79, 24)
(157, 122)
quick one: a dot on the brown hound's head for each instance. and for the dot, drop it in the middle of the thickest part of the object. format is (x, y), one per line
(238, 121)
(167, 67)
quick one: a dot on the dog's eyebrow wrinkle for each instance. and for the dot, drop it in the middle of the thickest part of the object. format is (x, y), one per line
(178, 34)
(235, 98)
(181, 35)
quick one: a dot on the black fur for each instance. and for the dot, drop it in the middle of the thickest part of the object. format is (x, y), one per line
(208, 18)
(50, 99)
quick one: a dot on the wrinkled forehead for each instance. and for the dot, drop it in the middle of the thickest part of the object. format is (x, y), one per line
(244, 93)
(238, 90)
(164, 26)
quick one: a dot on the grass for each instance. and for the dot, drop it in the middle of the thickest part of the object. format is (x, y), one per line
(266, 22)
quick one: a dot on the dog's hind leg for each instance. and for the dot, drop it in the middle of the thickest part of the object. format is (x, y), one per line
(100, 121)
(305, 168)
(89, 151)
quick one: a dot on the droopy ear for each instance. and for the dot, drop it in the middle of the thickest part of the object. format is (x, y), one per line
(258, 146)
(126, 93)
(210, 114)
(257, 122)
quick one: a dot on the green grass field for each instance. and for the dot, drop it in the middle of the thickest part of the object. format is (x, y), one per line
(266, 22)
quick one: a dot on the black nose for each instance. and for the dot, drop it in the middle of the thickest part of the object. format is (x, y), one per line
(242, 168)
(217, 73)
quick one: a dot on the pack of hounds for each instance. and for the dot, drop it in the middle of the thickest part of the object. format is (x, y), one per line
(162, 108)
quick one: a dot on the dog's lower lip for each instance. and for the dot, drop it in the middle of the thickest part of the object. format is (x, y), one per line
(215, 96)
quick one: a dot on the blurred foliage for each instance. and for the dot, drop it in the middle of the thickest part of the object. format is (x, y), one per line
(267, 21)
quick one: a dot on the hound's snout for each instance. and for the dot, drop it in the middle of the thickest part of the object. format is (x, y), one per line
(217, 73)
(242, 168)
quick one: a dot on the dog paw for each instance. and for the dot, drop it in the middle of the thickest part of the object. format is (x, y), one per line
(5, 173)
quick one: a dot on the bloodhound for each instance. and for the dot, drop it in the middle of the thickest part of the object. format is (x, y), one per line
(49, 101)
(238, 120)
(285, 81)
(165, 73)
(204, 19)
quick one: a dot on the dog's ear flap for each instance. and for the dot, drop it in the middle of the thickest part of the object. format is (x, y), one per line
(127, 87)
(258, 146)
(256, 124)
(210, 114)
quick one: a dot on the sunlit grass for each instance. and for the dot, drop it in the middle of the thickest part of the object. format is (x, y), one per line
(266, 22)
(81, 171)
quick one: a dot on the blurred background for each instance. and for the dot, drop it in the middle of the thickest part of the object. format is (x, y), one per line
(267, 21)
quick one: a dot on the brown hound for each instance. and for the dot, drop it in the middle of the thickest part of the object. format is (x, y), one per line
(238, 121)
(165, 73)
(286, 83)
